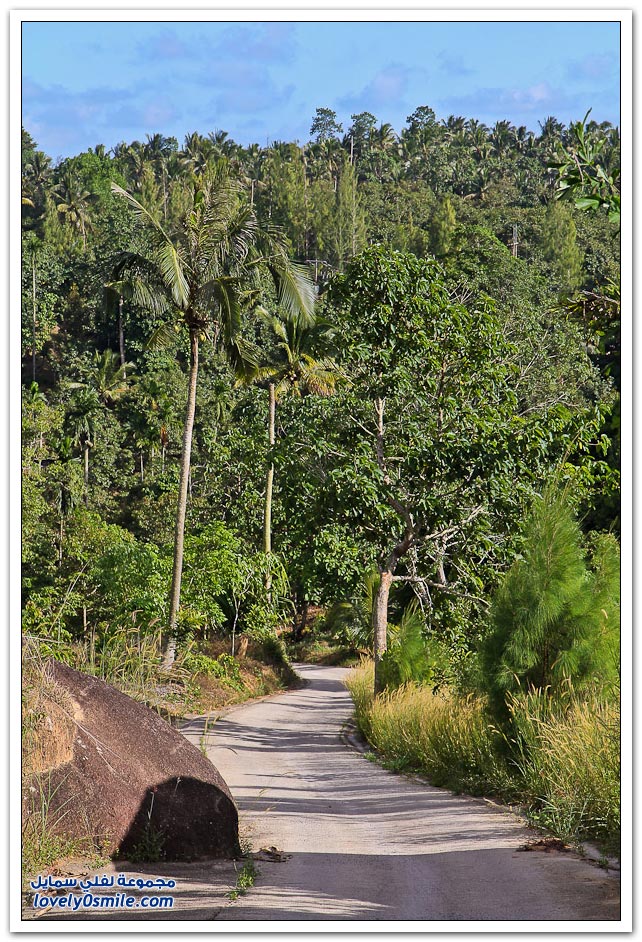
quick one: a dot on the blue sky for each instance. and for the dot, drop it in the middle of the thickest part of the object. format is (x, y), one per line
(103, 82)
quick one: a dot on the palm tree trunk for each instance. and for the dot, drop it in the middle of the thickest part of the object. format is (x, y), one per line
(121, 334)
(34, 323)
(86, 472)
(269, 484)
(179, 533)
(267, 516)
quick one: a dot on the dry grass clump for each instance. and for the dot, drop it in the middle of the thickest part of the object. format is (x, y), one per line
(561, 760)
(569, 762)
(442, 735)
(48, 715)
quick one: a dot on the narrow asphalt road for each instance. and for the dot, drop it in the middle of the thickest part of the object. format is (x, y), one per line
(366, 844)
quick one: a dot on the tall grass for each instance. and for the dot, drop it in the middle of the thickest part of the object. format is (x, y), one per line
(126, 658)
(562, 765)
(569, 763)
(442, 735)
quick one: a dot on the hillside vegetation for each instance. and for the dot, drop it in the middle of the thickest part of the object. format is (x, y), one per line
(350, 377)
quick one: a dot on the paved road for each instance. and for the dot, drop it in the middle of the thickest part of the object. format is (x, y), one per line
(366, 844)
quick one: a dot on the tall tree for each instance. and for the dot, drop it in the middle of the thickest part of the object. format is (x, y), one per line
(82, 416)
(299, 366)
(73, 202)
(560, 248)
(199, 273)
(435, 461)
(325, 125)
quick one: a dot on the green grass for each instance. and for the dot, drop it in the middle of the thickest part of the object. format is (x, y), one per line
(245, 879)
(561, 762)
(42, 842)
(569, 763)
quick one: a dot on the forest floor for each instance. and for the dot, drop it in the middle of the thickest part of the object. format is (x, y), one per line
(337, 838)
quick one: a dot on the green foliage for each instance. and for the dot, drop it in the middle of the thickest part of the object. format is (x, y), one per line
(442, 228)
(409, 656)
(563, 767)
(245, 879)
(555, 617)
(559, 248)
(325, 124)
(589, 170)
(483, 399)
(225, 667)
(350, 622)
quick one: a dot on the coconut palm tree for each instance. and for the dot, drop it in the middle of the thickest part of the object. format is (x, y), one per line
(107, 376)
(199, 275)
(72, 202)
(196, 154)
(80, 422)
(294, 368)
(37, 176)
(158, 150)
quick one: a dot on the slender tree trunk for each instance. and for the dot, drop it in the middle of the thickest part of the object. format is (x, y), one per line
(61, 537)
(34, 323)
(300, 628)
(121, 333)
(142, 468)
(179, 533)
(267, 518)
(86, 472)
(380, 604)
(380, 625)
(267, 515)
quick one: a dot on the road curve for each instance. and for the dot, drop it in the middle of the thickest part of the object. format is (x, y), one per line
(367, 844)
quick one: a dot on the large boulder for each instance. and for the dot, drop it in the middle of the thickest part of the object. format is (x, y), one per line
(129, 779)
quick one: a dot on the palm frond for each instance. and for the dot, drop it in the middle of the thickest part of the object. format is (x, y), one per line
(139, 211)
(162, 337)
(297, 294)
(172, 267)
(144, 294)
(244, 357)
(224, 291)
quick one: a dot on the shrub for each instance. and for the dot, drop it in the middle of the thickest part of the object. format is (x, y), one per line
(556, 615)
(225, 667)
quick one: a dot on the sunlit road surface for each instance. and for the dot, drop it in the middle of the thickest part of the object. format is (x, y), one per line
(367, 844)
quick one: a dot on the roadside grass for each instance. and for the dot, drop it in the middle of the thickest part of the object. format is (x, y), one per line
(569, 763)
(561, 763)
(245, 879)
(42, 841)
(200, 680)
